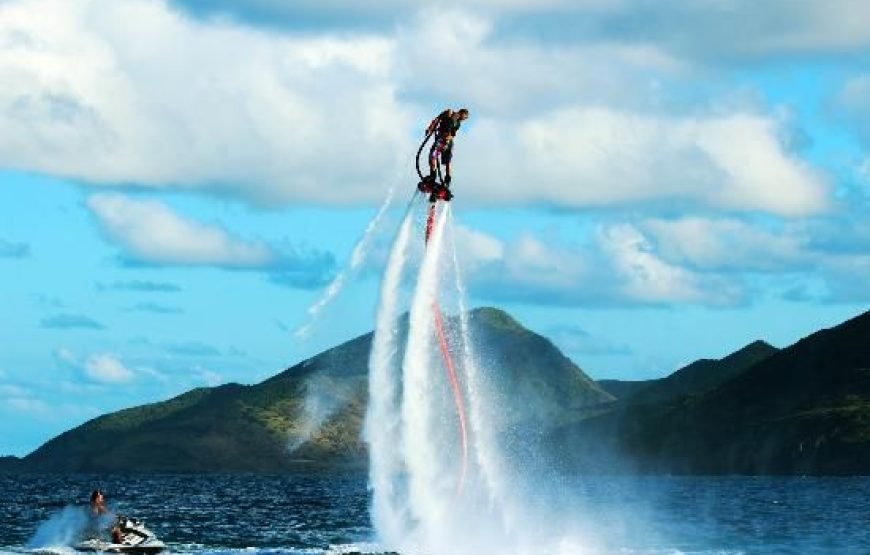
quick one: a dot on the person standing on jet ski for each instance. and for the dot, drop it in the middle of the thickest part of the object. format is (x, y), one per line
(444, 126)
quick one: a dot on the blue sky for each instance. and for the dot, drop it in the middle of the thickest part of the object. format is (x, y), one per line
(645, 183)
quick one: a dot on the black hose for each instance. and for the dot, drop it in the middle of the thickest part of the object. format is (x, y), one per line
(420, 150)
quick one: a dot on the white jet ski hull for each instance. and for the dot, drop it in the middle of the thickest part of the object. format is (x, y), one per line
(100, 546)
(133, 538)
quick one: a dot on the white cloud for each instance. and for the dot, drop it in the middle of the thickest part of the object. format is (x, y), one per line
(512, 80)
(21, 399)
(98, 368)
(601, 157)
(729, 244)
(699, 29)
(734, 31)
(644, 277)
(826, 259)
(107, 368)
(619, 267)
(149, 231)
(135, 92)
(786, 26)
(477, 248)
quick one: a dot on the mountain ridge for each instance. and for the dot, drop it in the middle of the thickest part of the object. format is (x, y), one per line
(247, 428)
(803, 409)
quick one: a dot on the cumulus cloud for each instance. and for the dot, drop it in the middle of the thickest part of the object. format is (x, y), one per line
(516, 80)
(71, 321)
(134, 92)
(724, 31)
(702, 30)
(681, 261)
(149, 232)
(643, 276)
(730, 245)
(601, 157)
(97, 368)
(823, 259)
(351, 14)
(139, 93)
(107, 368)
(619, 267)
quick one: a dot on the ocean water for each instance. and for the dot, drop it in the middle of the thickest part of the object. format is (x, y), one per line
(324, 513)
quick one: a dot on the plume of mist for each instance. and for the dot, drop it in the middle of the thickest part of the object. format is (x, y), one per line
(420, 501)
(324, 397)
(65, 527)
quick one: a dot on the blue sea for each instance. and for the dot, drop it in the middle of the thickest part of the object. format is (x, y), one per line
(326, 514)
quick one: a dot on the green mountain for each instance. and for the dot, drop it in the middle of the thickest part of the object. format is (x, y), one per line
(697, 377)
(802, 410)
(9, 464)
(623, 389)
(249, 428)
(549, 387)
(703, 375)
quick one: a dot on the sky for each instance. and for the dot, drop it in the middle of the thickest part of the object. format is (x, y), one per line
(645, 183)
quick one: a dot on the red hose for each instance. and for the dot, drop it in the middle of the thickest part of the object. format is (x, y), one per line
(457, 393)
(430, 221)
(451, 369)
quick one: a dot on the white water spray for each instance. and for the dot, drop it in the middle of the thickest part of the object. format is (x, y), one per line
(412, 425)
(357, 257)
(486, 449)
(426, 450)
(62, 529)
(382, 431)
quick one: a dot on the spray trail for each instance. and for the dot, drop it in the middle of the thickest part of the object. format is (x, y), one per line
(357, 257)
(457, 394)
(425, 435)
(448, 362)
(415, 415)
(486, 449)
(382, 430)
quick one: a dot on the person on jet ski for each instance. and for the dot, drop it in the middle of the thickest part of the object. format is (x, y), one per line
(444, 126)
(98, 503)
(98, 512)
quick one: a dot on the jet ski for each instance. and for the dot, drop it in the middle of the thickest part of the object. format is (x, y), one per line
(131, 537)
